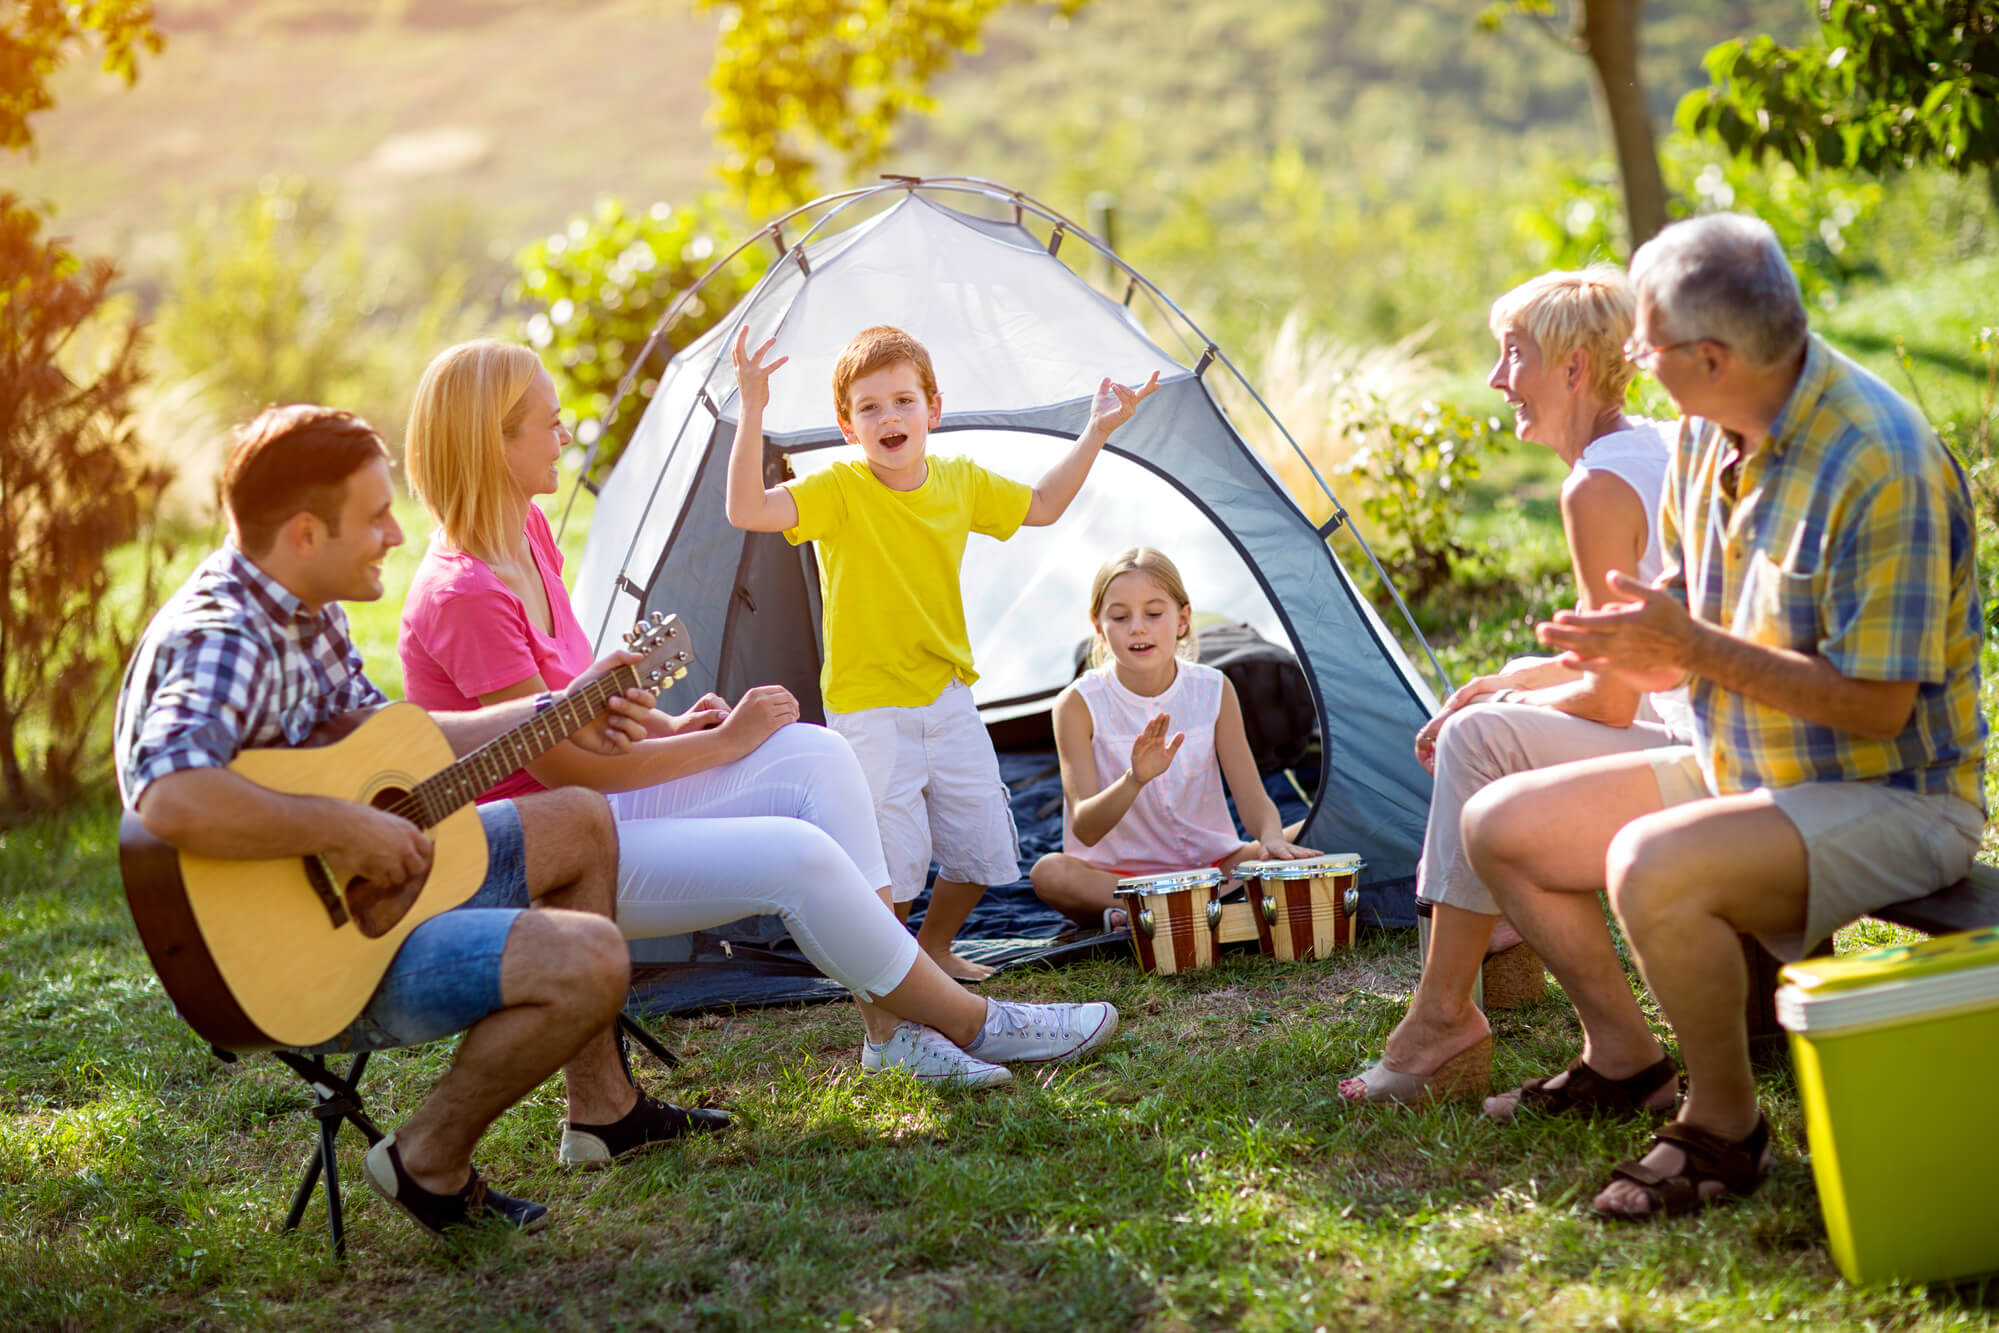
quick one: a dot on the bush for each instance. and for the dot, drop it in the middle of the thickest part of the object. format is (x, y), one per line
(75, 486)
(276, 298)
(1414, 473)
(600, 286)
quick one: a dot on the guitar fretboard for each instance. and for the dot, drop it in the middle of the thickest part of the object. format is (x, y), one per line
(449, 788)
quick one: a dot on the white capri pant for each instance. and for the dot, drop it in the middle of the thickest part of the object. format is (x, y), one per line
(1484, 742)
(788, 829)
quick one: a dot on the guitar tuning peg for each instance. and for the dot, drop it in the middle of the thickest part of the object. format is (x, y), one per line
(659, 618)
(630, 638)
(681, 674)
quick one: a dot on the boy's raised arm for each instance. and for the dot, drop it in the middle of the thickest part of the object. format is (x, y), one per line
(748, 504)
(1112, 407)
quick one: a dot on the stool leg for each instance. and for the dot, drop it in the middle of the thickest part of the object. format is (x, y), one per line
(305, 1184)
(327, 1129)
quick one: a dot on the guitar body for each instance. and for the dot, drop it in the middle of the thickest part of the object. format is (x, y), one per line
(250, 951)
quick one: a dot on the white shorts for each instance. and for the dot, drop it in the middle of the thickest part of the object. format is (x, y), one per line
(1866, 845)
(937, 791)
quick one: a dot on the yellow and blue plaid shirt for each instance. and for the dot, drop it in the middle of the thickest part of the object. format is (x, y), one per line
(1847, 535)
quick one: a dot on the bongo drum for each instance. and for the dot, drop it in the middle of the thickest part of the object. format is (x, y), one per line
(1304, 909)
(1174, 918)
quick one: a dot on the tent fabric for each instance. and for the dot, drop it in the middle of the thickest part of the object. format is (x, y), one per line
(1019, 341)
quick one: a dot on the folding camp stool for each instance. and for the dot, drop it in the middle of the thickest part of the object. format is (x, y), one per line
(337, 1099)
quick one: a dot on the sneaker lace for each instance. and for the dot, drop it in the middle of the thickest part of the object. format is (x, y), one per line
(1010, 1017)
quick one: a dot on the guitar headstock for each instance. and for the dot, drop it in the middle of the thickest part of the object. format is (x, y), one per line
(666, 647)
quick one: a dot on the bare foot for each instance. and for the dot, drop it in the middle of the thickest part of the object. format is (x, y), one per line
(962, 969)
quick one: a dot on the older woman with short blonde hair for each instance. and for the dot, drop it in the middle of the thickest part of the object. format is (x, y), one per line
(1563, 370)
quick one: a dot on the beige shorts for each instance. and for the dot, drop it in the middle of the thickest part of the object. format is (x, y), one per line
(937, 791)
(1866, 845)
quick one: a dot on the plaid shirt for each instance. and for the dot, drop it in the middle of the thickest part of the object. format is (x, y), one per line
(232, 662)
(1847, 535)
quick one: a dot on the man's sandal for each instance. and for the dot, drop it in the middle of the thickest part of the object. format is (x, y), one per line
(1737, 1165)
(1587, 1093)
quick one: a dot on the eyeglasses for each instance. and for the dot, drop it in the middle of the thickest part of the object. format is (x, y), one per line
(1644, 356)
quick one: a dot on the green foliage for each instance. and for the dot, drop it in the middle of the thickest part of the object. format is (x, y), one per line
(795, 76)
(600, 286)
(75, 486)
(1414, 473)
(1822, 220)
(277, 299)
(34, 39)
(1885, 85)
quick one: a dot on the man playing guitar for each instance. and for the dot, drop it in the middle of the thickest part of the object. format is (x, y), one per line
(253, 651)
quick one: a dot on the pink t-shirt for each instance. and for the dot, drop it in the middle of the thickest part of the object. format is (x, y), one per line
(465, 634)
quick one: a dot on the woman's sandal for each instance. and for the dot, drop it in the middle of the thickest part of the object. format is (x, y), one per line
(1466, 1074)
(1588, 1093)
(1737, 1165)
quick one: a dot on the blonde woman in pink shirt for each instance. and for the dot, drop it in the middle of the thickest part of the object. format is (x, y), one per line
(1145, 739)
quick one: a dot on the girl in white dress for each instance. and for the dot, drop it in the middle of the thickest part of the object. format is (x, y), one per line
(1145, 739)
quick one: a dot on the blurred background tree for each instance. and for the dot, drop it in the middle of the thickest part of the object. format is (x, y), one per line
(75, 483)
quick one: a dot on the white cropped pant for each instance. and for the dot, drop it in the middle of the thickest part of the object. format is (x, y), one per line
(788, 829)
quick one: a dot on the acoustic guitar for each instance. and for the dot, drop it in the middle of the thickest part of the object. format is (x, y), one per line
(262, 954)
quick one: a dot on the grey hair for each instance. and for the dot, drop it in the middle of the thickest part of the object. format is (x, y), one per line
(1723, 277)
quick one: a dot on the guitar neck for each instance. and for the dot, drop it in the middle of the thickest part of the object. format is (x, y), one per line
(449, 788)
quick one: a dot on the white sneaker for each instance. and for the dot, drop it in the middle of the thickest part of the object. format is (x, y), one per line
(1036, 1033)
(931, 1057)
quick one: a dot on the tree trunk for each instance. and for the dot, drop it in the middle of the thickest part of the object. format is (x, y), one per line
(1607, 32)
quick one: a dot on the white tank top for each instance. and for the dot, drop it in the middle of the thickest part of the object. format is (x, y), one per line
(1638, 456)
(1180, 820)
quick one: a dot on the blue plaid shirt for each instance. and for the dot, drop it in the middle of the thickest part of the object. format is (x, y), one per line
(232, 662)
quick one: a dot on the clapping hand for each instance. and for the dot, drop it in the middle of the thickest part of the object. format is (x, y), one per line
(1151, 753)
(1115, 403)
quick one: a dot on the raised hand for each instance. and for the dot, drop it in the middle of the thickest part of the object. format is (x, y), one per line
(752, 375)
(761, 711)
(1151, 753)
(1114, 403)
(1646, 639)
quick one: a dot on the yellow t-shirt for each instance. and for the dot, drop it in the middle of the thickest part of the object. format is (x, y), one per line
(889, 562)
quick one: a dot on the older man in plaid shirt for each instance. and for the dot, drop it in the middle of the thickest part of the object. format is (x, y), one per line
(1821, 601)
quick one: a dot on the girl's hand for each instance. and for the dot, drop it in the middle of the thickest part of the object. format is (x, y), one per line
(1277, 849)
(752, 375)
(1151, 753)
(761, 711)
(1114, 403)
(710, 710)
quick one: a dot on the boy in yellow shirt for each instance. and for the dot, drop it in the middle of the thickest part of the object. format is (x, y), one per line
(891, 532)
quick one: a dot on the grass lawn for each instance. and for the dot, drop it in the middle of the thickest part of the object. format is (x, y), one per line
(1199, 1174)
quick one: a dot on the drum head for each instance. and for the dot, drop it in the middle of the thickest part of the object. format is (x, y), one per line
(1169, 881)
(1305, 867)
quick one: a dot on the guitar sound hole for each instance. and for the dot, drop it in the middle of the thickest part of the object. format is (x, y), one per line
(377, 907)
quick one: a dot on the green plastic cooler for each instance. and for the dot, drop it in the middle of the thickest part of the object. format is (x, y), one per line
(1897, 1055)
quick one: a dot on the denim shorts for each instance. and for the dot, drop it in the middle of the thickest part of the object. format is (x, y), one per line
(446, 977)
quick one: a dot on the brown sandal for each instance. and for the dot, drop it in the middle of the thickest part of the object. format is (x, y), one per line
(1588, 1093)
(1737, 1165)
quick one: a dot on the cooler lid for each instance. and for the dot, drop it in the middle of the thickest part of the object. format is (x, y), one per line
(1883, 985)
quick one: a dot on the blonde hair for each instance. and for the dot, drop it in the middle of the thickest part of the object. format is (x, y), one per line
(875, 349)
(1154, 564)
(471, 398)
(1592, 309)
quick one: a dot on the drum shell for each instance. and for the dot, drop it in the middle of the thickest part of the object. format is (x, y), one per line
(1300, 919)
(1183, 923)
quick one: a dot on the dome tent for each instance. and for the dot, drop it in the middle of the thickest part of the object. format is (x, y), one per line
(1019, 340)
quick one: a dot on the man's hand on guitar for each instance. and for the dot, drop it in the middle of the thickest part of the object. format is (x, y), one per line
(377, 845)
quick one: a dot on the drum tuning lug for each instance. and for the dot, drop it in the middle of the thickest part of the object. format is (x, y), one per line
(1351, 901)
(1214, 914)
(1268, 904)
(1144, 920)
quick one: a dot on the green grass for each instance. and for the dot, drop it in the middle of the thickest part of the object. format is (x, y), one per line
(1198, 1174)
